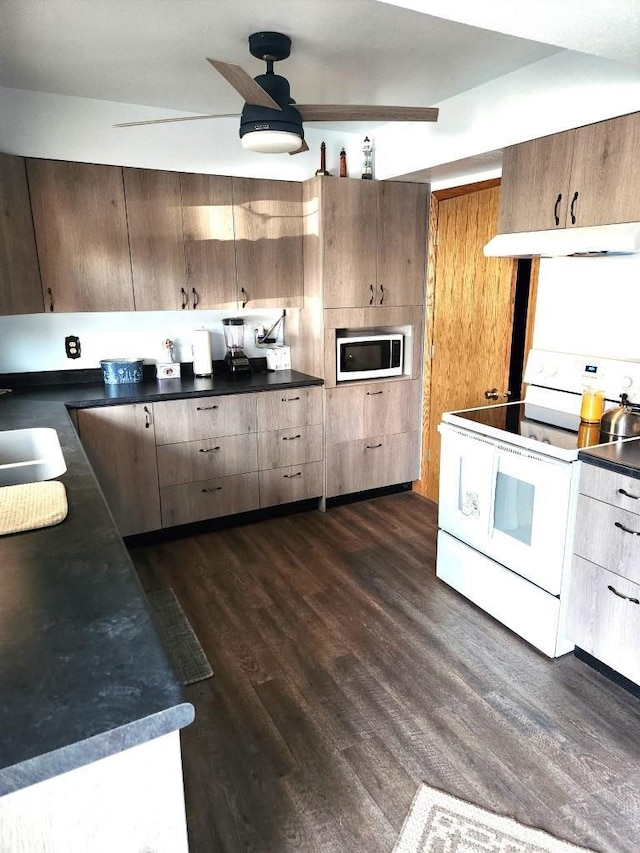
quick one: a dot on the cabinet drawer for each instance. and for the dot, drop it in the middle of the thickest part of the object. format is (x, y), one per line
(294, 483)
(610, 487)
(371, 463)
(288, 408)
(209, 499)
(378, 408)
(293, 446)
(603, 622)
(189, 461)
(203, 417)
(607, 536)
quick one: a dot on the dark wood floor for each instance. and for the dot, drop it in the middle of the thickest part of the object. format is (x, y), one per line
(346, 673)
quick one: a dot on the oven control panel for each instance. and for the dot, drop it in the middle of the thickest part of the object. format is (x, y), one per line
(575, 372)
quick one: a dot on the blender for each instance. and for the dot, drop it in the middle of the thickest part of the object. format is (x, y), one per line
(236, 362)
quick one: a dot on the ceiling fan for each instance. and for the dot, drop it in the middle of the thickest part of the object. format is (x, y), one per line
(271, 121)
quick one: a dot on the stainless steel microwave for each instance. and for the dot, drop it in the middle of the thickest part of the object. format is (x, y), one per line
(369, 356)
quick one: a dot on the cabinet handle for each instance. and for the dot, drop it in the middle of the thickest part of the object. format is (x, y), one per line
(289, 399)
(374, 393)
(373, 446)
(556, 212)
(626, 529)
(291, 476)
(50, 294)
(627, 494)
(147, 418)
(185, 298)
(573, 204)
(245, 297)
(371, 296)
(382, 292)
(621, 595)
(205, 408)
(214, 489)
(290, 437)
(208, 449)
(196, 298)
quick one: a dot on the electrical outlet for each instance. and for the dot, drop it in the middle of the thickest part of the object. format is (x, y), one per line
(72, 346)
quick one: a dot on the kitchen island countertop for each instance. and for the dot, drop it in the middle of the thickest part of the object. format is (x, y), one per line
(620, 456)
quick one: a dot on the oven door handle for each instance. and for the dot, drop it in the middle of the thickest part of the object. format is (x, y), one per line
(494, 485)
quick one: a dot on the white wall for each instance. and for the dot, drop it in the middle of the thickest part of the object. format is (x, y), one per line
(36, 341)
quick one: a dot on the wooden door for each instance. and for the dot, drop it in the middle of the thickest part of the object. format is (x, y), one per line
(20, 290)
(401, 256)
(268, 240)
(81, 234)
(349, 211)
(120, 444)
(472, 303)
(154, 217)
(535, 184)
(605, 172)
(207, 222)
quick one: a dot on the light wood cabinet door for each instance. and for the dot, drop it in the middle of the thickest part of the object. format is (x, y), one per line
(291, 446)
(20, 289)
(603, 617)
(222, 456)
(611, 487)
(378, 408)
(206, 499)
(402, 243)
(120, 444)
(294, 483)
(371, 463)
(608, 536)
(207, 221)
(268, 242)
(289, 407)
(348, 219)
(154, 217)
(204, 417)
(535, 184)
(81, 233)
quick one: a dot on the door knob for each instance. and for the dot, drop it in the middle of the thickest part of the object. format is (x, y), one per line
(494, 395)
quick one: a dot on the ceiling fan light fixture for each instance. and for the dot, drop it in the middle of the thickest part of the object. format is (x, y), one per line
(271, 141)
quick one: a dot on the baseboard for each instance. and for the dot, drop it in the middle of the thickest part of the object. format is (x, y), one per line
(609, 673)
(368, 494)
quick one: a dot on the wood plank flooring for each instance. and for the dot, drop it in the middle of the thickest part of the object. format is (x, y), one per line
(345, 673)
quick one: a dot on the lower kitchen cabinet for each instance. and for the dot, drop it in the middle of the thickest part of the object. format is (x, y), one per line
(221, 456)
(370, 463)
(120, 444)
(294, 483)
(205, 499)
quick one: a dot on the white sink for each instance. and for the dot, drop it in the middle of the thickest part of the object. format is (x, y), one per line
(30, 456)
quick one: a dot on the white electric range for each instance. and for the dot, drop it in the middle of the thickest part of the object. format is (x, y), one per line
(508, 493)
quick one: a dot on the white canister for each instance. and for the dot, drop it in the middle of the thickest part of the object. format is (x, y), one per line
(201, 348)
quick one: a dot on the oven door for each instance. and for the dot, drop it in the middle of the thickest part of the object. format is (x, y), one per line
(508, 503)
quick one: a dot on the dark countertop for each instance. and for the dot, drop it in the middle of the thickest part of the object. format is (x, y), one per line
(83, 673)
(620, 456)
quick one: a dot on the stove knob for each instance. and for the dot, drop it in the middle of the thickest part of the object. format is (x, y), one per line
(627, 382)
(537, 366)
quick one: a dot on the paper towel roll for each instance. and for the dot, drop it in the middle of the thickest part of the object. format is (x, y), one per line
(201, 347)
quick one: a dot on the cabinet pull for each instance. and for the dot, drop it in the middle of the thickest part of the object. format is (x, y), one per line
(147, 418)
(185, 298)
(382, 292)
(245, 297)
(621, 595)
(373, 446)
(626, 529)
(291, 476)
(50, 295)
(289, 399)
(371, 296)
(290, 437)
(205, 408)
(374, 393)
(627, 494)
(196, 298)
(214, 489)
(208, 449)
(556, 213)
(573, 204)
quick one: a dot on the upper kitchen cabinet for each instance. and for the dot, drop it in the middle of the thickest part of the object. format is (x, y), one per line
(373, 242)
(20, 290)
(580, 177)
(154, 215)
(268, 242)
(207, 221)
(81, 233)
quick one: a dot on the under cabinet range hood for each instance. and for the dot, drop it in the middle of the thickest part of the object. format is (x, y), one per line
(596, 240)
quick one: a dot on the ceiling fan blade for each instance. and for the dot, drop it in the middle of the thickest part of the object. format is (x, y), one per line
(304, 147)
(169, 120)
(245, 85)
(355, 112)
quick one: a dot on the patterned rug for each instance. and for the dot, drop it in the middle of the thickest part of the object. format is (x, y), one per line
(439, 823)
(178, 637)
